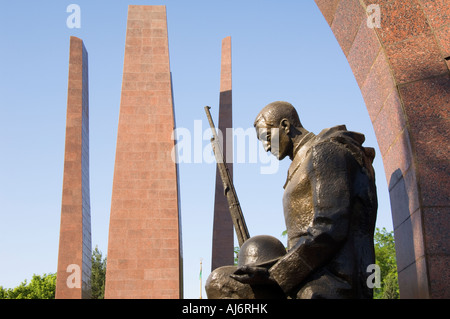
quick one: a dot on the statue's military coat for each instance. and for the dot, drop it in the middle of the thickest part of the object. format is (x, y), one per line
(330, 207)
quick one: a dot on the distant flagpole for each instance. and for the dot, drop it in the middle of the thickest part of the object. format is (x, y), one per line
(200, 277)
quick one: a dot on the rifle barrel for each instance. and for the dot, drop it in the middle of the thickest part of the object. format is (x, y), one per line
(233, 203)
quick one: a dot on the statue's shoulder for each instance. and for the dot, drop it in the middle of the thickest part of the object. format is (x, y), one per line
(341, 134)
(351, 141)
(312, 140)
(337, 136)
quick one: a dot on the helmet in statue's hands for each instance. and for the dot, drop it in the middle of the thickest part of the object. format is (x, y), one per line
(261, 250)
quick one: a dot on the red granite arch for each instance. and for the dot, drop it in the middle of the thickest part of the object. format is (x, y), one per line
(402, 69)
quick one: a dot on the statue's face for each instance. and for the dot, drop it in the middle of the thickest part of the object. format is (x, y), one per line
(274, 139)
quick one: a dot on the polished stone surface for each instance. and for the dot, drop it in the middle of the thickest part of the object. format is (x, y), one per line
(144, 248)
(406, 91)
(75, 231)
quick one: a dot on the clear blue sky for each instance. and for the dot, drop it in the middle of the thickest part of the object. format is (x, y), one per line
(281, 50)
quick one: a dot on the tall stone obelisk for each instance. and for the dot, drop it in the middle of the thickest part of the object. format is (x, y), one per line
(223, 234)
(74, 257)
(144, 245)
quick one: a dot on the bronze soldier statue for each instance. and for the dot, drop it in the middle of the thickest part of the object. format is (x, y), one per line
(330, 207)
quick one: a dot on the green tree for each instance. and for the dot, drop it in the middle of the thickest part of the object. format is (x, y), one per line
(385, 259)
(98, 274)
(40, 287)
(236, 255)
(3, 293)
(44, 287)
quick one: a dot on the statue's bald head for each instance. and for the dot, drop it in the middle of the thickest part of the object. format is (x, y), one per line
(272, 114)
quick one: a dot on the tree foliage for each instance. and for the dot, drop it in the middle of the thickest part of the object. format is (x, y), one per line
(98, 274)
(385, 259)
(44, 287)
(40, 287)
(236, 254)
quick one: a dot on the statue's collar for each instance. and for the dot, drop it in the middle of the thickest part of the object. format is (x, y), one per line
(302, 142)
(298, 156)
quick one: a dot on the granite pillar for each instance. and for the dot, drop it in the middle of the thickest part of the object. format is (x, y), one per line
(223, 233)
(144, 245)
(74, 257)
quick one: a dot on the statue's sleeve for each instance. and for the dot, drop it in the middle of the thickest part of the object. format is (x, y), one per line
(330, 168)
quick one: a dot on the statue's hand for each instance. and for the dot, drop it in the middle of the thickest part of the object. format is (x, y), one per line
(252, 275)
